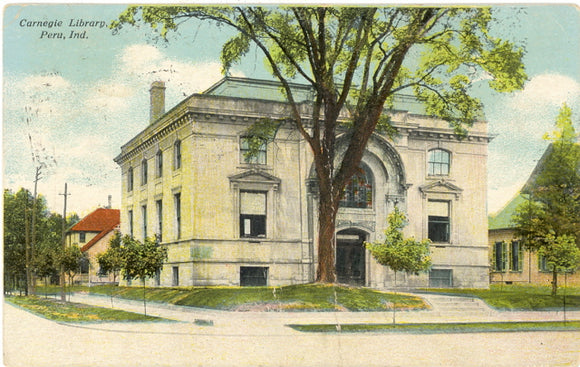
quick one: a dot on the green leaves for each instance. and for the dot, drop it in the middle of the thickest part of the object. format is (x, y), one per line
(561, 253)
(397, 252)
(141, 260)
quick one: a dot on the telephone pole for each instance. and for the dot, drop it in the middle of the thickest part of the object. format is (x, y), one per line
(62, 280)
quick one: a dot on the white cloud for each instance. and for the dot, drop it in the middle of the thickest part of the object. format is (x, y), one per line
(546, 90)
(84, 125)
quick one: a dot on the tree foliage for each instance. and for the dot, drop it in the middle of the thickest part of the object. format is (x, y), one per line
(549, 220)
(18, 207)
(111, 261)
(356, 59)
(399, 253)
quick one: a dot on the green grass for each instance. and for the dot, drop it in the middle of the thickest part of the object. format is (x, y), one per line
(75, 312)
(520, 297)
(305, 297)
(441, 328)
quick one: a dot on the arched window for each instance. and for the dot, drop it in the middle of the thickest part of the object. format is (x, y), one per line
(358, 193)
(439, 162)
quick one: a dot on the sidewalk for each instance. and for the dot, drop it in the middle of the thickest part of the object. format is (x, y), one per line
(443, 309)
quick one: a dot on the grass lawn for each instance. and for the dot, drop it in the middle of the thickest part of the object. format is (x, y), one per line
(520, 297)
(304, 297)
(75, 312)
(440, 328)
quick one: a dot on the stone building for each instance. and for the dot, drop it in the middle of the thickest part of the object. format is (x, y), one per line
(227, 219)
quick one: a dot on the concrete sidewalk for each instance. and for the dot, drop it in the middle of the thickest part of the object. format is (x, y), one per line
(443, 309)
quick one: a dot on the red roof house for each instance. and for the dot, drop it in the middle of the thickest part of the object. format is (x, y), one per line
(92, 234)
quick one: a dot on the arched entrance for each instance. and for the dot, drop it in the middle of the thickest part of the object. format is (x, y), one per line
(350, 257)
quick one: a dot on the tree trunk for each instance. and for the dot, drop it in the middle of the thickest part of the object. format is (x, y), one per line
(144, 299)
(326, 272)
(554, 282)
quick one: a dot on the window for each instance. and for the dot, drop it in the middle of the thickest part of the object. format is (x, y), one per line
(84, 265)
(177, 155)
(130, 179)
(516, 256)
(144, 216)
(175, 276)
(441, 278)
(177, 206)
(82, 237)
(159, 210)
(543, 265)
(130, 220)
(252, 214)
(439, 223)
(358, 193)
(439, 161)
(159, 164)
(144, 172)
(500, 256)
(253, 276)
(246, 143)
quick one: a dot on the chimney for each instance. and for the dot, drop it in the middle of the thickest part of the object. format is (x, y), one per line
(157, 98)
(110, 202)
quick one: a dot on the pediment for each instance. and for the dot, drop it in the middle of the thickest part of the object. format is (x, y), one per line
(441, 187)
(255, 177)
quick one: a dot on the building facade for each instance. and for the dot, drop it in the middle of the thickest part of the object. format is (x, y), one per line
(230, 219)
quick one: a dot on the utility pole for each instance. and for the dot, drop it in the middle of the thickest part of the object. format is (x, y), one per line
(62, 281)
(37, 177)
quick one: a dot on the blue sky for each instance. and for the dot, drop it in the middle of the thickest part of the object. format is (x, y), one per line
(76, 101)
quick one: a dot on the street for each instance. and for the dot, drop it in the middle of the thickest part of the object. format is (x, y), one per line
(33, 341)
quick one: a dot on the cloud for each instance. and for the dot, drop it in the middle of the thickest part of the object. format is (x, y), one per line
(520, 121)
(546, 90)
(83, 125)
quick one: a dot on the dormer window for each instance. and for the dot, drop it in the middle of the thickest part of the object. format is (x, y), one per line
(439, 162)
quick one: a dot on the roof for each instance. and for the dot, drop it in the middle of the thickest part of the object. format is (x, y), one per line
(270, 90)
(503, 219)
(98, 220)
(101, 220)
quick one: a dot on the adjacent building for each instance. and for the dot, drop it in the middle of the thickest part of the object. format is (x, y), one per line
(510, 262)
(93, 234)
(230, 219)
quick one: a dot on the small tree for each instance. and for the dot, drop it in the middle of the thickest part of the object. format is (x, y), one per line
(142, 260)
(399, 253)
(561, 254)
(111, 261)
(70, 260)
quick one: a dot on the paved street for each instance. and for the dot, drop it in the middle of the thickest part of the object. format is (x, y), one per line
(261, 339)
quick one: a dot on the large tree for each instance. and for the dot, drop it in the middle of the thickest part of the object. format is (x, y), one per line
(356, 59)
(549, 220)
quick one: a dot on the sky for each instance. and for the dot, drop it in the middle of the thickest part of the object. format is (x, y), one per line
(71, 103)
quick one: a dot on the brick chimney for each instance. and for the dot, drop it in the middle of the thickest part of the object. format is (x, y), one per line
(157, 98)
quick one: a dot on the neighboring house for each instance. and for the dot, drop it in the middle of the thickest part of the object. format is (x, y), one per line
(227, 219)
(510, 262)
(92, 234)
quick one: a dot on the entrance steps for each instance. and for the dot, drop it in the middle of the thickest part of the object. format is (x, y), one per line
(444, 305)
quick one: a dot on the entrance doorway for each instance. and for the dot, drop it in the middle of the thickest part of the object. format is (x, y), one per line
(350, 257)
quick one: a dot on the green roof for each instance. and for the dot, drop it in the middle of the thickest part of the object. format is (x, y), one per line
(503, 219)
(272, 91)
